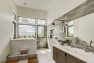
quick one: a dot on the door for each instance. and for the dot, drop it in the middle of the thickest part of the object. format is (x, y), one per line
(42, 36)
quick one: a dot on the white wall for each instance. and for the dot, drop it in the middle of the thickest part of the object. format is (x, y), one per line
(33, 13)
(18, 44)
(6, 12)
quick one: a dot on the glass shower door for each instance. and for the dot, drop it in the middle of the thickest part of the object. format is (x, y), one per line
(42, 37)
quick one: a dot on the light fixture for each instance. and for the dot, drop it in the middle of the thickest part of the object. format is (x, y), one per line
(53, 23)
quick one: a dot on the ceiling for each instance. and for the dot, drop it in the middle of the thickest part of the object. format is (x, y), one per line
(35, 4)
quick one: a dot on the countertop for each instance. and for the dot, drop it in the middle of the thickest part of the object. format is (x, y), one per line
(87, 57)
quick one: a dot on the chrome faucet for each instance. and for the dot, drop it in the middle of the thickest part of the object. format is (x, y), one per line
(85, 45)
(90, 48)
(91, 43)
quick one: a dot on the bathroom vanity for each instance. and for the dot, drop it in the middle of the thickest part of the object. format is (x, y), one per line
(68, 54)
(62, 57)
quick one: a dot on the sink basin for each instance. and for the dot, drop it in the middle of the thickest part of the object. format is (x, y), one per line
(90, 49)
(79, 52)
(76, 50)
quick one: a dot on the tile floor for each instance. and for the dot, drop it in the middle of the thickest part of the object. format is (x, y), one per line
(44, 56)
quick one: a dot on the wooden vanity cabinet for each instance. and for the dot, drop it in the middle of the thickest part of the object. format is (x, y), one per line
(54, 53)
(72, 59)
(61, 57)
(58, 55)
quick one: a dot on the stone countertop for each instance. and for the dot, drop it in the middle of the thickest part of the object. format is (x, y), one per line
(87, 57)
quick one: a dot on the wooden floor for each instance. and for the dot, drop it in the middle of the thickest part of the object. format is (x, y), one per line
(33, 60)
(12, 61)
(30, 60)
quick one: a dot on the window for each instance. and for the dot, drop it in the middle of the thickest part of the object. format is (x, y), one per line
(26, 31)
(41, 22)
(31, 28)
(41, 31)
(70, 29)
(26, 21)
(14, 30)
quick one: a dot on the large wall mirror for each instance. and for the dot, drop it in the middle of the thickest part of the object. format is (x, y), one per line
(80, 22)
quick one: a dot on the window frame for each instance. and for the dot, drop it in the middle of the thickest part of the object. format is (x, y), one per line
(44, 31)
(41, 24)
(26, 23)
(14, 30)
(36, 26)
(67, 30)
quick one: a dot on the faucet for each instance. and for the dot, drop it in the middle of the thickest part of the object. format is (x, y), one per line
(85, 44)
(90, 48)
(91, 43)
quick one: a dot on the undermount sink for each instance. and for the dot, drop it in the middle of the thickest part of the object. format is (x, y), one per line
(79, 52)
(90, 49)
(76, 50)
(73, 49)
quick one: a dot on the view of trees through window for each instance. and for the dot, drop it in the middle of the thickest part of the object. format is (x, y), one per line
(31, 28)
(26, 31)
